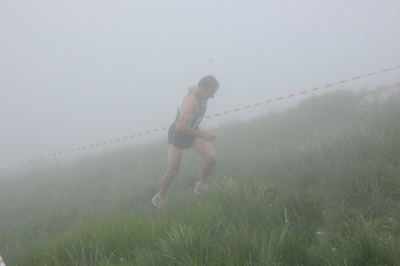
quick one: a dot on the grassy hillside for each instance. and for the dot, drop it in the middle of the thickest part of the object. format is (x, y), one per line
(318, 184)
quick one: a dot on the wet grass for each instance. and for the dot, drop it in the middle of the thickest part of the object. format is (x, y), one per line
(318, 184)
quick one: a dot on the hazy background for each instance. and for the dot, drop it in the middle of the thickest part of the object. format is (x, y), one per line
(74, 73)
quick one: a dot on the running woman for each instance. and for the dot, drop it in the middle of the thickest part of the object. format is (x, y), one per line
(184, 133)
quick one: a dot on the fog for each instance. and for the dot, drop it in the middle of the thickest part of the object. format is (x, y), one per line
(74, 73)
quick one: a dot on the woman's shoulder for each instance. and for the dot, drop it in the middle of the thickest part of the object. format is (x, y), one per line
(192, 89)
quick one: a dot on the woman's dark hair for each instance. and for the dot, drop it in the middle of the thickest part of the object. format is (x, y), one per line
(208, 82)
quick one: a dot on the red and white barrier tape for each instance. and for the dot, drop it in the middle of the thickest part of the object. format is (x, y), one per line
(87, 146)
(207, 117)
(301, 93)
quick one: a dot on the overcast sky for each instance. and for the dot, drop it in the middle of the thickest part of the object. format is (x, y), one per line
(74, 73)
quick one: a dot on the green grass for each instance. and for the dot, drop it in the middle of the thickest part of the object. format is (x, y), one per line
(317, 184)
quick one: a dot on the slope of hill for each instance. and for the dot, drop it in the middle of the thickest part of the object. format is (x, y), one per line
(317, 184)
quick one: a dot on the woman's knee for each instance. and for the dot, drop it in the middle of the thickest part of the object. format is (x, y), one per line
(212, 158)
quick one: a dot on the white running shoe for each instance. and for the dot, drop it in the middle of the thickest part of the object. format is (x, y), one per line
(160, 204)
(201, 189)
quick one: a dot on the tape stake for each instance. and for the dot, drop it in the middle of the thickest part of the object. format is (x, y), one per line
(2, 262)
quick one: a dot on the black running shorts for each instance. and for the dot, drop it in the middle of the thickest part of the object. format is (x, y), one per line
(180, 140)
